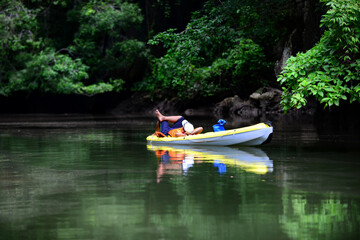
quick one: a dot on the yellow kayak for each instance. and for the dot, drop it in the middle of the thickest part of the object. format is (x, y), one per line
(254, 135)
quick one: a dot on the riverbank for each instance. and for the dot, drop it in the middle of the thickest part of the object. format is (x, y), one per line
(113, 109)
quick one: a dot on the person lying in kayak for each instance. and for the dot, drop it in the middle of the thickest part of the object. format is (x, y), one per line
(180, 128)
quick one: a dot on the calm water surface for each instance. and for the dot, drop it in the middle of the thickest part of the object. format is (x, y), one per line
(105, 182)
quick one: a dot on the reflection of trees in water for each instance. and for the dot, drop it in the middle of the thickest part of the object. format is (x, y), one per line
(210, 205)
(92, 185)
(41, 169)
(301, 215)
(61, 146)
(213, 205)
(327, 216)
(319, 191)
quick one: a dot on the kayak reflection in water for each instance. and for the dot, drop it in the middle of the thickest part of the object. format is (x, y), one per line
(177, 160)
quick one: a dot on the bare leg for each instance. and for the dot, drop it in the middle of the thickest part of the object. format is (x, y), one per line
(166, 118)
(197, 131)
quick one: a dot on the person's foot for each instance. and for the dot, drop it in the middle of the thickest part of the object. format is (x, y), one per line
(159, 115)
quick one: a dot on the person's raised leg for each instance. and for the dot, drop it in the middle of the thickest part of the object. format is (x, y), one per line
(166, 118)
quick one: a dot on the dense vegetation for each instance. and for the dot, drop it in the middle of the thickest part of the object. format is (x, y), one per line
(67, 46)
(226, 48)
(222, 50)
(330, 71)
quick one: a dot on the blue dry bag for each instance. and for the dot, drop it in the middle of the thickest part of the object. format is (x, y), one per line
(219, 126)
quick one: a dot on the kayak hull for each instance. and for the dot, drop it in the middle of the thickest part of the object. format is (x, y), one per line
(248, 136)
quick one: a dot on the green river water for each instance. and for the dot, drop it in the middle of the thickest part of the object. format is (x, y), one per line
(100, 180)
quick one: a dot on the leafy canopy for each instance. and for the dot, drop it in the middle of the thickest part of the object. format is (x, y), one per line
(99, 55)
(49, 72)
(217, 53)
(103, 41)
(330, 71)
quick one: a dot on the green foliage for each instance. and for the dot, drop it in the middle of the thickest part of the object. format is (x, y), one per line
(48, 72)
(330, 71)
(101, 49)
(100, 17)
(215, 54)
(114, 85)
(18, 26)
(243, 60)
(102, 40)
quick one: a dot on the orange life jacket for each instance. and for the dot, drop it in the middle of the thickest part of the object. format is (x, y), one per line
(159, 134)
(173, 132)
